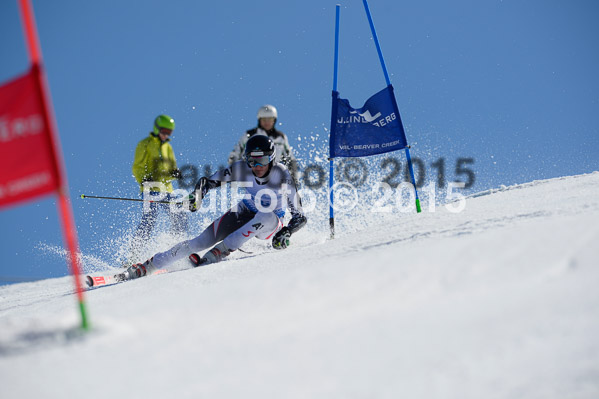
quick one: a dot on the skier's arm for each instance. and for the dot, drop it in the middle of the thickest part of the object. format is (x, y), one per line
(174, 172)
(289, 150)
(206, 184)
(281, 239)
(139, 163)
(294, 201)
(237, 152)
(298, 219)
(287, 157)
(199, 192)
(297, 222)
(233, 156)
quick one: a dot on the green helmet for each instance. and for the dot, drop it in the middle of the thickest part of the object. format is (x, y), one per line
(164, 122)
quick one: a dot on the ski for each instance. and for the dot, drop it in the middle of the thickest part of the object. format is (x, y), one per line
(110, 279)
(97, 281)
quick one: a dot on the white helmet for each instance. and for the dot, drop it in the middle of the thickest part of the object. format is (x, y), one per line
(267, 111)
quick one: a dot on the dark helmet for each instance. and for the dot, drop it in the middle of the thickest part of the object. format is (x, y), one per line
(259, 150)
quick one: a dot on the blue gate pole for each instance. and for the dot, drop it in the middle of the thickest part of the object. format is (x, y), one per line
(380, 52)
(376, 42)
(333, 122)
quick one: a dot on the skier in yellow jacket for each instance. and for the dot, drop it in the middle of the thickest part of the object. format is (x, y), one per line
(154, 168)
(154, 157)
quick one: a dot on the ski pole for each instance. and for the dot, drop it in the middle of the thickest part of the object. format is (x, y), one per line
(124, 199)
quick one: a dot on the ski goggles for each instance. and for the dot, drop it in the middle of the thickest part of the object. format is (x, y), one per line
(263, 160)
(165, 131)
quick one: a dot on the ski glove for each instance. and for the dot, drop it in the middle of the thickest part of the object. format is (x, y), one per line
(281, 239)
(176, 174)
(202, 187)
(297, 222)
(200, 191)
(193, 205)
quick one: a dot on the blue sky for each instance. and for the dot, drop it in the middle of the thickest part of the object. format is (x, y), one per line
(511, 84)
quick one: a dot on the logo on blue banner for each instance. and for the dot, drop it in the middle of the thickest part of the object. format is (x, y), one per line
(375, 128)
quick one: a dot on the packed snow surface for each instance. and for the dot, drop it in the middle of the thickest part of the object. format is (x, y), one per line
(500, 300)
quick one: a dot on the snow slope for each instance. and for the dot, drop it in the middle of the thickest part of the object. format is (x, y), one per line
(497, 301)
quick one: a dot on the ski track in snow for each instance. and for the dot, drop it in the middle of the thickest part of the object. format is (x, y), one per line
(498, 301)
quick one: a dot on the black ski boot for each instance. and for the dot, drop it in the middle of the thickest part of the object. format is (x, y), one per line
(216, 254)
(138, 270)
